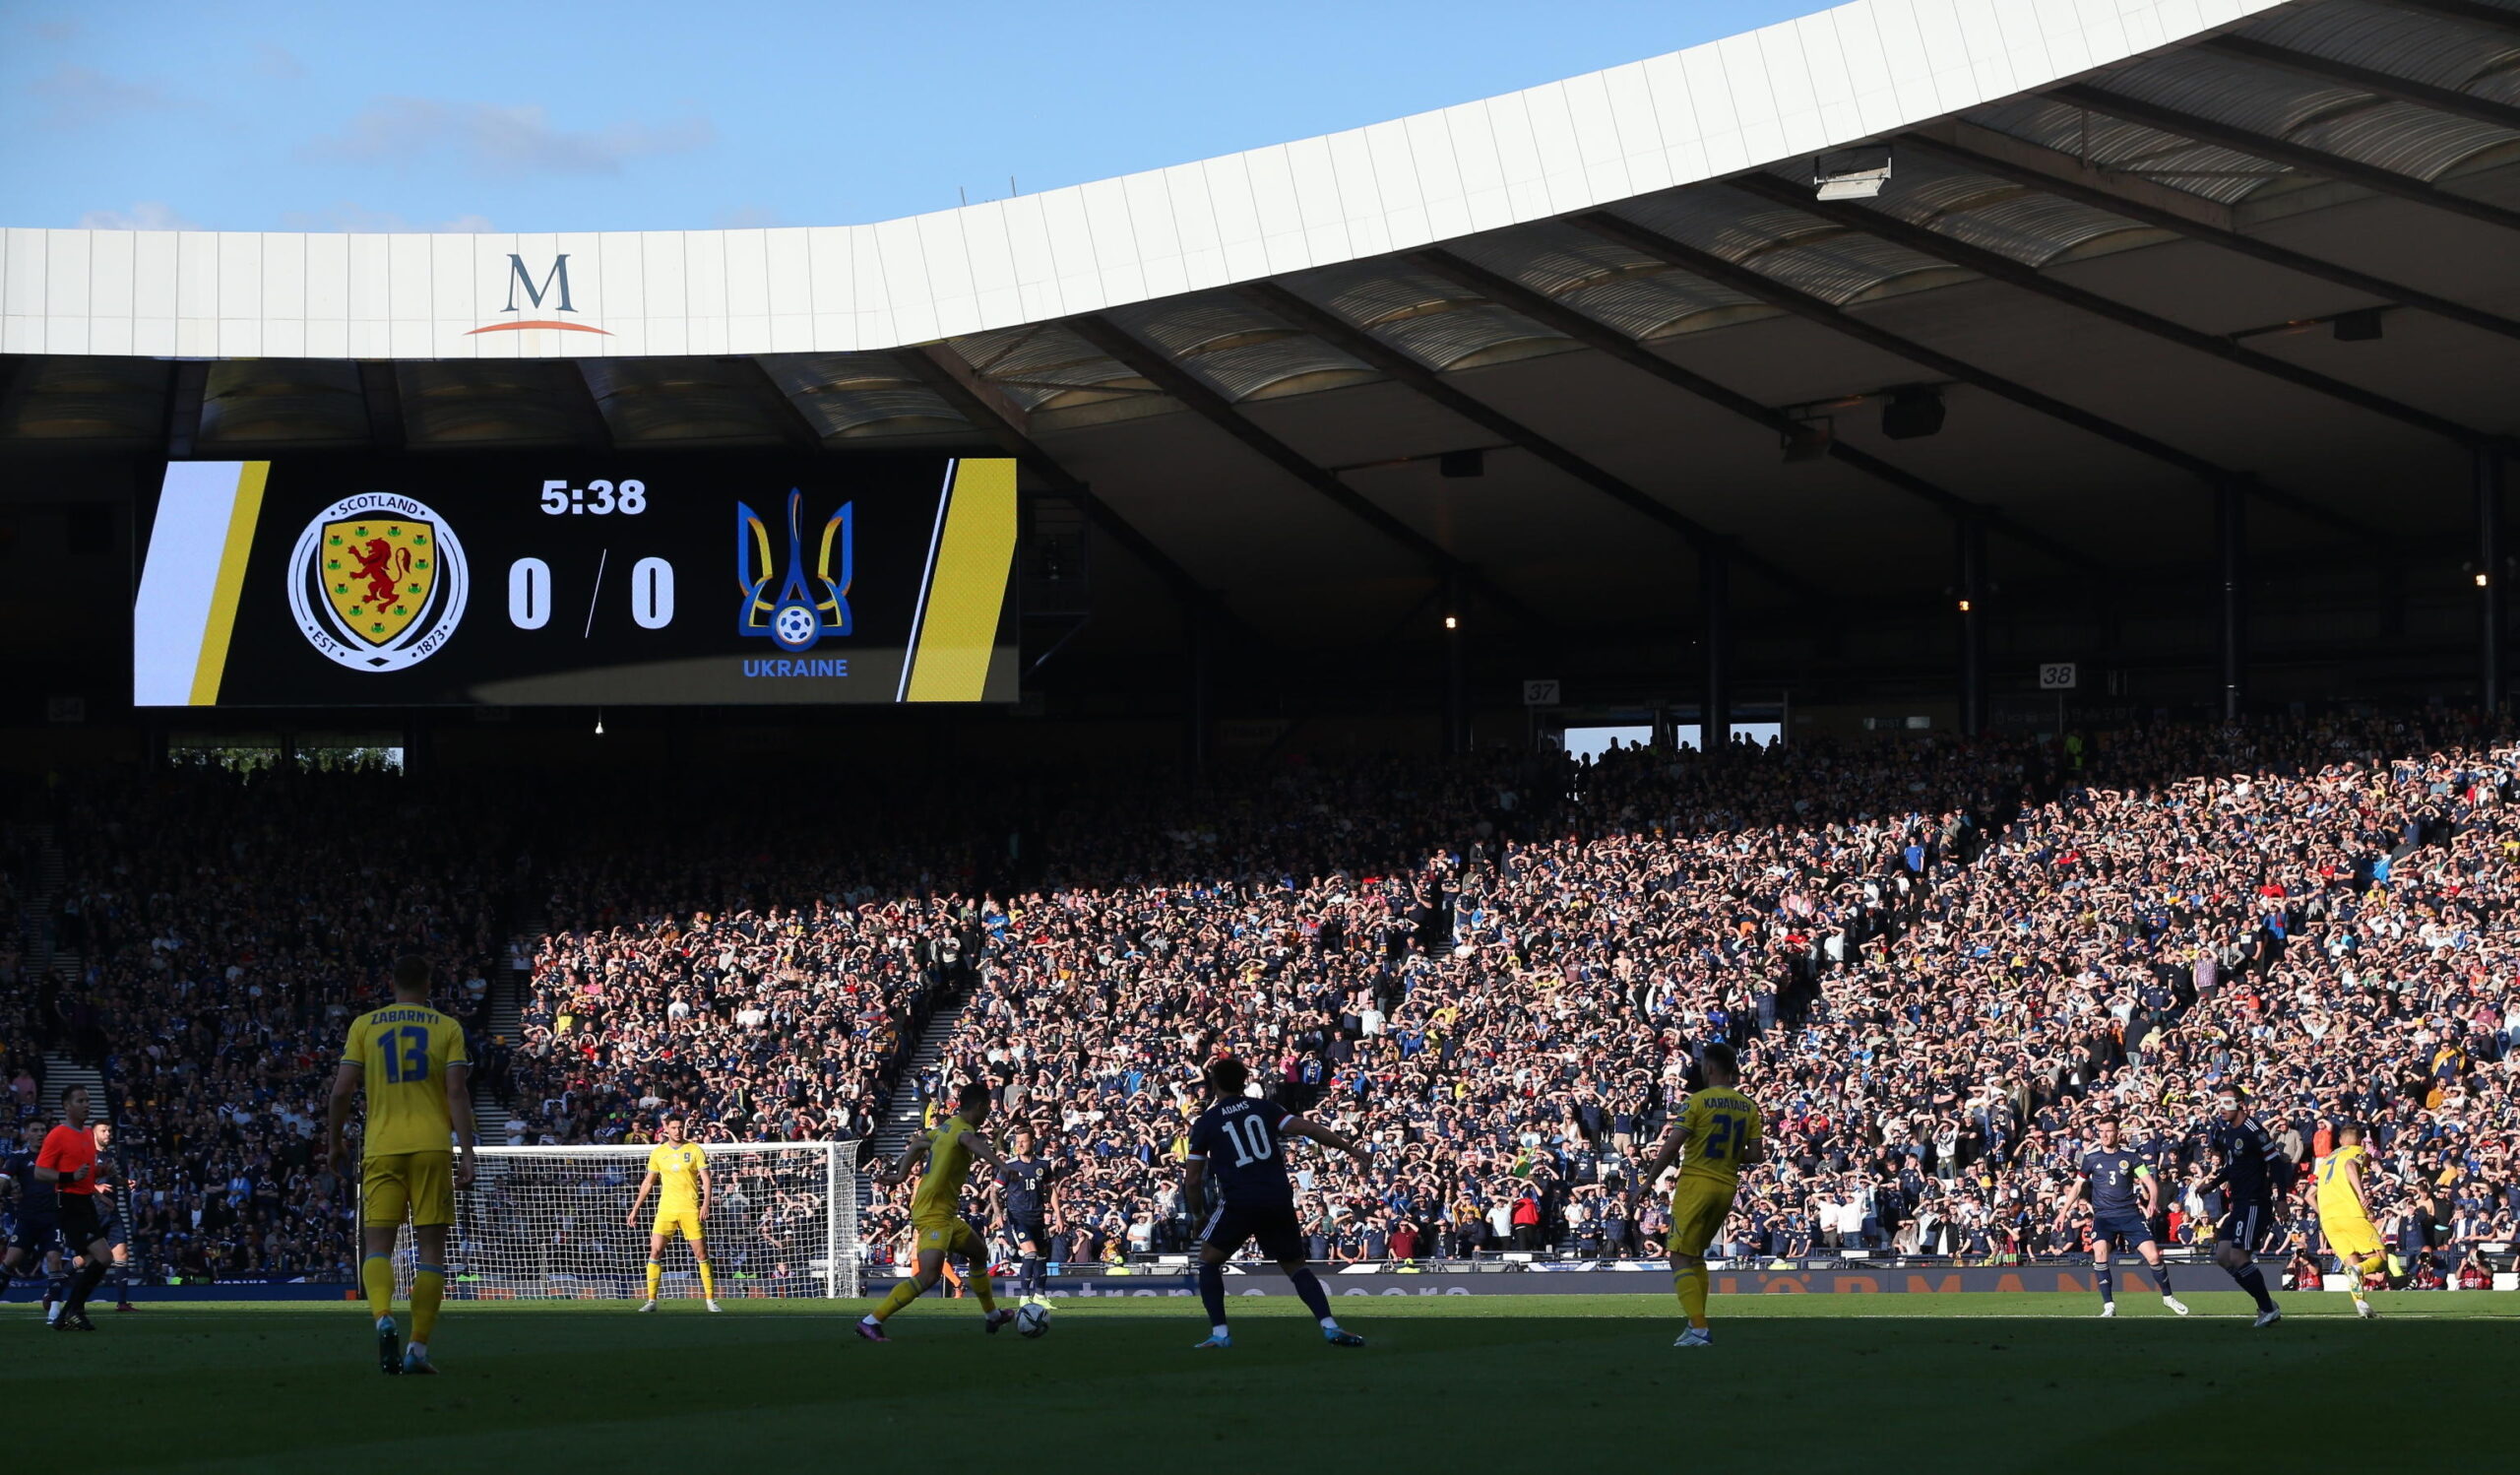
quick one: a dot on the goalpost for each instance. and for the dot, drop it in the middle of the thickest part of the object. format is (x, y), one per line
(553, 1223)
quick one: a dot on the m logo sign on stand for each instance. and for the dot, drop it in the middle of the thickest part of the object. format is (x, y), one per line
(553, 286)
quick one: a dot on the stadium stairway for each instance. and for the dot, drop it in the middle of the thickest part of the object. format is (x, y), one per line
(39, 929)
(901, 1115)
(506, 1021)
(60, 1073)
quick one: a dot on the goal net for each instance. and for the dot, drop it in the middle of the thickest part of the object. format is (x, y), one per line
(554, 1223)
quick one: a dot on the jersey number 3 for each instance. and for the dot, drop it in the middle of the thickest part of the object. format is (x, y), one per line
(412, 1063)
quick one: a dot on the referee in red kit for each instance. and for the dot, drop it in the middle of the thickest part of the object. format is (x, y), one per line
(68, 1162)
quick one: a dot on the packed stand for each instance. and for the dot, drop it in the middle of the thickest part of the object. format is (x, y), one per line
(1937, 962)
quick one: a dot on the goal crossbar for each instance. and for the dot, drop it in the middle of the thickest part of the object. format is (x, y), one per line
(556, 1223)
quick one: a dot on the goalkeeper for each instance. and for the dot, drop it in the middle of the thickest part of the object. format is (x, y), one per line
(683, 1170)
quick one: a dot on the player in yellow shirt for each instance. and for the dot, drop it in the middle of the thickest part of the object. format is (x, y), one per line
(410, 1061)
(683, 1169)
(2345, 1214)
(935, 1214)
(1718, 1134)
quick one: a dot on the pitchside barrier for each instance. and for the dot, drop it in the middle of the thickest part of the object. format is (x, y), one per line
(1168, 1283)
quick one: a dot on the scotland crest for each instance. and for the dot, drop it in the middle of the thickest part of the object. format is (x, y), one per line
(377, 582)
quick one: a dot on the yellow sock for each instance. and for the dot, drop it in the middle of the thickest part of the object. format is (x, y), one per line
(376, 1277)
(903, 1293)
(656, 1272)
(2373, 1265)
(1689, 1281)
(708, 1282)
(983, 1287)
(428, 1288)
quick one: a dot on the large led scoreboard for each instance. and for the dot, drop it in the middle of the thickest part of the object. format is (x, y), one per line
(578, 580)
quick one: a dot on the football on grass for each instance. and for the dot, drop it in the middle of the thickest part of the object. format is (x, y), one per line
(1033, 1320)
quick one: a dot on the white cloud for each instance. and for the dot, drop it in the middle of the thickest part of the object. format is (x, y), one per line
(499, 141)
(357, 218)
(145, 214)
(75, 97)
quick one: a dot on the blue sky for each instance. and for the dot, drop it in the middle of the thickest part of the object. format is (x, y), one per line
(545, 114)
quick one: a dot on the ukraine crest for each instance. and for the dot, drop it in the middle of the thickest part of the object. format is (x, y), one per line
(803, 608)
(377, 582)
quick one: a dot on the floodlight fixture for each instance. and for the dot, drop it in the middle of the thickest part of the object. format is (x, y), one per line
(1852, 173)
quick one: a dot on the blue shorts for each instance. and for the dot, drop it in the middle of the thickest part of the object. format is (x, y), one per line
(2120, 1231)
(36, 1232)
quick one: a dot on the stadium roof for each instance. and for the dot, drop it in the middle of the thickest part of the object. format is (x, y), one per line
(2134, 251)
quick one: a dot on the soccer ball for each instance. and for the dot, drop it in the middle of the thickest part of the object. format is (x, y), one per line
(1034, 1320)
(795, 626)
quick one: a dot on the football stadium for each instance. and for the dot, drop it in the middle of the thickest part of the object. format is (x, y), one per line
(1809, 713)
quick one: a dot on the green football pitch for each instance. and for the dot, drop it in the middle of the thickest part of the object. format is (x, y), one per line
(1967, 1383)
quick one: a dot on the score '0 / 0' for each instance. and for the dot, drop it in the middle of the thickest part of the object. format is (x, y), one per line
(530, 594)
(651, 579)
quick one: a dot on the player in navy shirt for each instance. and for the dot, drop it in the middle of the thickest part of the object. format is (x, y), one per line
(37, 1235)
(2123, 1196)
(2248, 1178)
(1236, 1178)
(1026, 1179)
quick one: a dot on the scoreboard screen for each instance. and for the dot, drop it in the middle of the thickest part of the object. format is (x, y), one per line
(583, 580)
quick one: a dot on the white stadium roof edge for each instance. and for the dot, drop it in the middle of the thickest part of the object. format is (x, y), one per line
(1765, 97)
(2140, 251)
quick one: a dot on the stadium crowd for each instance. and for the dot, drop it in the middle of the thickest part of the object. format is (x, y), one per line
(1938, 961)
(1935, 957)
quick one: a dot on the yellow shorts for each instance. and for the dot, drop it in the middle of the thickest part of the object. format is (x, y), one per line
(682, 1218)
(418, 1186)
(1698, 1209)
(2349, 1236)
(952, 1235)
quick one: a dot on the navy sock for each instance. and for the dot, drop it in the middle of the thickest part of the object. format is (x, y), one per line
(2160, 1273)
(2107, 1279)
(1031, 1277)
(2253, 1281)
(1212, 1292)
(1308, 1286)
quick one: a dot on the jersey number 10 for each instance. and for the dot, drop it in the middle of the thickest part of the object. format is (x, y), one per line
(1250, 1139)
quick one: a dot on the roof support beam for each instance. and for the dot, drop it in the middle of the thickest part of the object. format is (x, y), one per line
(784, 414)
(1592, 334)
(1801, 304)
(2365, 78)
(2285, 152)
(2061, 174)
(187, 382)
(577, 396)
(380, 390)
(1159, 369)
(2474, 11)
(958, 384)
(2112, 189)
(2013, 273)
(1338, 331)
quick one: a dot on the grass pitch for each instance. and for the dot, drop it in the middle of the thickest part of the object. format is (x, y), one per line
(1977, 1382)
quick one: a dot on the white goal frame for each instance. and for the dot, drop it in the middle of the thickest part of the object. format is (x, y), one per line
(572, 1239)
